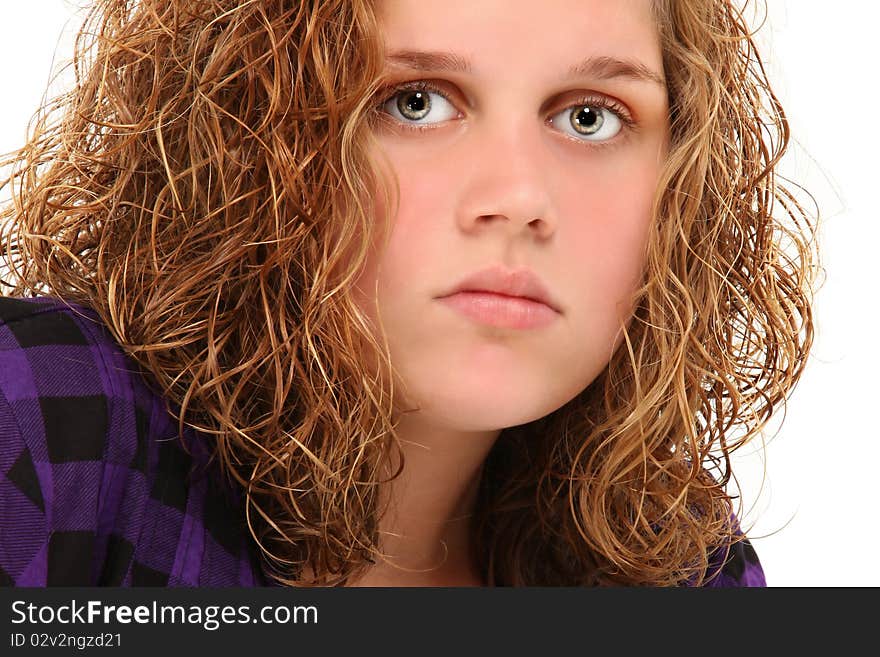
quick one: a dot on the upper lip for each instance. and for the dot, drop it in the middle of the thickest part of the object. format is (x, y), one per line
(514, 283)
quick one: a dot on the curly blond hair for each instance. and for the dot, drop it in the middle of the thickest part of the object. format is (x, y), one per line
(205, 187)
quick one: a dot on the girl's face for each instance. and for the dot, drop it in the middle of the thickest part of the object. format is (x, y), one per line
(533, 143)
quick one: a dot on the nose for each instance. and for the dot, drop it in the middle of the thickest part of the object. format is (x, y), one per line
(505, 180)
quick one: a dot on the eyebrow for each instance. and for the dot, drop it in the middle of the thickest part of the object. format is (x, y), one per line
(598, 67)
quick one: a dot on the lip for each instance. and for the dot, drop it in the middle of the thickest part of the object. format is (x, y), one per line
(508, 282)
(501, 311)
(503, 297)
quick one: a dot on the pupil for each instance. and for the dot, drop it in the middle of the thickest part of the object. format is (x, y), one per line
(414, 105)
(418, 102)
(587, 121)
(587, 117)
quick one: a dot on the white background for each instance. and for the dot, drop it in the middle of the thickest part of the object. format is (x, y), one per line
(815, 520)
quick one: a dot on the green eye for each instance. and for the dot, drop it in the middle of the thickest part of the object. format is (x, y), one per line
(591, 122)
(412, 104)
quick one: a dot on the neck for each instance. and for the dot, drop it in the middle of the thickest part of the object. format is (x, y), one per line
(425, 535)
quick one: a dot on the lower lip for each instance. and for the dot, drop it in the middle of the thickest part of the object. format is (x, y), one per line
(502, 311)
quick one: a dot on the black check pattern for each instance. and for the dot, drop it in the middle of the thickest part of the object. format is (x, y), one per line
(95, 486)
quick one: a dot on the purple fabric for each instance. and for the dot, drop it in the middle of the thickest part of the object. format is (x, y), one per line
(95, 487)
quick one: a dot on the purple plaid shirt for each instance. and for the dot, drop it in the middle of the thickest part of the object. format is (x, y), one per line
(95, 487)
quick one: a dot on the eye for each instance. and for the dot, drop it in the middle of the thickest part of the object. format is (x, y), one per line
(416, 102)
(590, 121)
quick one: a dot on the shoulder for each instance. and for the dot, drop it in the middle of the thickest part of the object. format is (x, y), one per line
(735, 565)
(72, 440)
(77, 397)
(62, 369)
(95, 484)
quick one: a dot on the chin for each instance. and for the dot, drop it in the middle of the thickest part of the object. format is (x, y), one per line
(484, 411)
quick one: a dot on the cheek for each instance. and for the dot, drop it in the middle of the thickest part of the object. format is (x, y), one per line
(412, 236)
(612, 230)
(420, 228)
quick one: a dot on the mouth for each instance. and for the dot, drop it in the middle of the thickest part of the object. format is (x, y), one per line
(522, 284)
(500, 310)
(504, 298)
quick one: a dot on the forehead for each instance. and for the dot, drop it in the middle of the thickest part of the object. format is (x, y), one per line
(523, 35)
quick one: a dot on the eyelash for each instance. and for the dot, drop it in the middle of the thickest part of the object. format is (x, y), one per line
(588, 101)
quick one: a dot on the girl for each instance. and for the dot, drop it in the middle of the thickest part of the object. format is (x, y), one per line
(386, 292)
